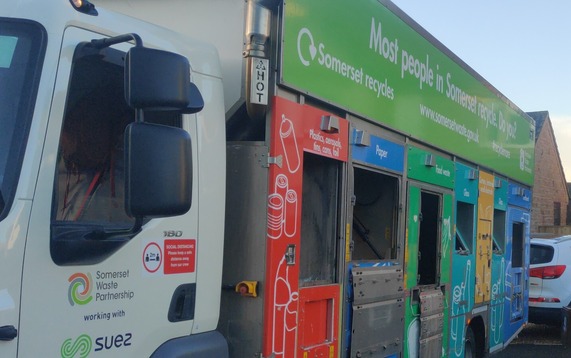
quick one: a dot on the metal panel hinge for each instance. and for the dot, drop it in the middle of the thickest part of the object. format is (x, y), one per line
(267, 160)
(274, 160)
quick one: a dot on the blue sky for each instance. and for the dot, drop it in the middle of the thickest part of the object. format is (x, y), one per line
(522, 47)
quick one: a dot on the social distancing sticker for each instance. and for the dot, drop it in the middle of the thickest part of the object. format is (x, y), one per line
(168, 257)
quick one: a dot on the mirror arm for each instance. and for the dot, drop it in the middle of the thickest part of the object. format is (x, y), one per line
(137, 225)
(106, 42)
(139, 115)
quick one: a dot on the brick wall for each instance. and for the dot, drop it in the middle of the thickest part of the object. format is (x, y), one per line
(550, 185)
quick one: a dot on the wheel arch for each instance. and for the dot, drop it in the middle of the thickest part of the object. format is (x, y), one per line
(479, 328)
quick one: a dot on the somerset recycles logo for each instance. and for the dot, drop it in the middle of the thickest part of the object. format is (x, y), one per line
(79, 291)
(80, 347)
(303, 34)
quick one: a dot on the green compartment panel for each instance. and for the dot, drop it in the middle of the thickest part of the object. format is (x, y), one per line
(430, 168)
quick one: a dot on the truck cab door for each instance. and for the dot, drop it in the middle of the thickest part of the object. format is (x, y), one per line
(51, 292)
(82, 270)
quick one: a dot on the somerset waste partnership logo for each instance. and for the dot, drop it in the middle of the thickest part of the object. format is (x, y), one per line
(79, 292)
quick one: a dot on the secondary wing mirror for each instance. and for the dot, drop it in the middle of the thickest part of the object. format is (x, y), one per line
(158, 80)
(158, 181)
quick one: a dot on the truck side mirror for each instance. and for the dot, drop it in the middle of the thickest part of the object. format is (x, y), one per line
(158, 176)
(160, 80)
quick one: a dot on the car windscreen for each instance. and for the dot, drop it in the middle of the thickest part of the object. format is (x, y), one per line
(540, 254)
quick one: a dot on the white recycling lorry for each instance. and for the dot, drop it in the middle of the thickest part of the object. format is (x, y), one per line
(254, 178)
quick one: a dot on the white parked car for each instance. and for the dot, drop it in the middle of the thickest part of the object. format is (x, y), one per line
(550, 278)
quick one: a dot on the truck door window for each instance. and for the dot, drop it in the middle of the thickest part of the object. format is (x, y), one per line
(89, 185)
(89, 178)
(89, 219)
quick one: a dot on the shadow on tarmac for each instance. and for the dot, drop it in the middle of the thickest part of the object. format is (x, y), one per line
(536, 341)
(533, 351)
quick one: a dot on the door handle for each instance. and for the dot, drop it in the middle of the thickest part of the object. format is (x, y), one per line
(8, 333)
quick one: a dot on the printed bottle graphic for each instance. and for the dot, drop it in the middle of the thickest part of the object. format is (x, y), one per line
(285, 313)
(460, 295)
(446, 236)
(282, 209)
(290, 225)
(497, 311)
(289, 145)
(275, 215)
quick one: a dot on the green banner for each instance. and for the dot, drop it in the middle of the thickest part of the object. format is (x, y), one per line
(359, 55)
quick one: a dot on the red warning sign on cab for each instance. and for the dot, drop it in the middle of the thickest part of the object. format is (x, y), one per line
(179, 256)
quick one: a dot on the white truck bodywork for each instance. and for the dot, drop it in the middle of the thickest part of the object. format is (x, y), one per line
(127, 314)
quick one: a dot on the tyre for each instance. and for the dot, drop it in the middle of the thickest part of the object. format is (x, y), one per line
(470, 344)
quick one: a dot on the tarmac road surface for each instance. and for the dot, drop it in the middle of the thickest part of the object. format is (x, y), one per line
(536, 341)
(533, 351)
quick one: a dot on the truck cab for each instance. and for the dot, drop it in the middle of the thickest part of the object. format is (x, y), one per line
(111, 185)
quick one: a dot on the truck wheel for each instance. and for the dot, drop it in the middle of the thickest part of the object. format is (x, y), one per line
(470, 344)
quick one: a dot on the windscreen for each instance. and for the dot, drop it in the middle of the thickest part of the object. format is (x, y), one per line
(21, 52)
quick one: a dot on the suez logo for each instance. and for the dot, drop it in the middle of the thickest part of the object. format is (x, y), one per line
(83, 345)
